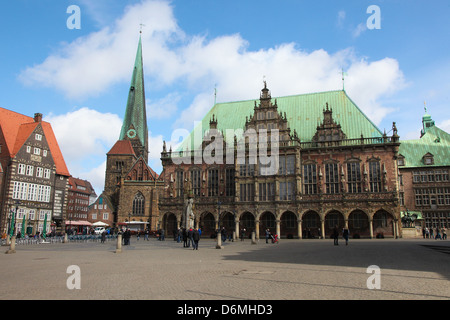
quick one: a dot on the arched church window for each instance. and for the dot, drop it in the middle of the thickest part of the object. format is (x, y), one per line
(138, 205)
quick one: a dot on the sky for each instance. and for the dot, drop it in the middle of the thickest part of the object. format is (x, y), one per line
(72, 61)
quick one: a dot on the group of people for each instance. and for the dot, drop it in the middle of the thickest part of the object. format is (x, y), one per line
(345, 235)
(440, 234)
(189, 236)
(269, 235)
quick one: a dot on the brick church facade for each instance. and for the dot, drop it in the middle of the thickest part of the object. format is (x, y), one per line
(131, 186)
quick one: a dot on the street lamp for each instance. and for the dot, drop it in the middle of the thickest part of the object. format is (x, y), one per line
(219, 239)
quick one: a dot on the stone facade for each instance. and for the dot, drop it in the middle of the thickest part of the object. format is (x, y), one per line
(328, 181)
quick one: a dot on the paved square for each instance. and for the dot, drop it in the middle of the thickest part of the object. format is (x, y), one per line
(291, 269)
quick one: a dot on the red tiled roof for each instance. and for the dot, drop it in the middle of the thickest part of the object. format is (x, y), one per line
(17, 128)
(122, 147)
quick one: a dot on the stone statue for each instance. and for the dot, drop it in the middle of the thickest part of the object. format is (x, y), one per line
(189, 216)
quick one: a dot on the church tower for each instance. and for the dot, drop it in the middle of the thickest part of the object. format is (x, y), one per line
(134, 127)
(133, 139)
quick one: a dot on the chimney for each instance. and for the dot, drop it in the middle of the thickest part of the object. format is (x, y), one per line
(38, 117)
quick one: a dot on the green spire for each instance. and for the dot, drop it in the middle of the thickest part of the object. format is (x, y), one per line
(135, 121)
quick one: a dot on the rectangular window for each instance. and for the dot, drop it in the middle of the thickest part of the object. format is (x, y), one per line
(21, 168)
(195, 182)
(39, 172)
(30, 170)
(37, 151)
(180, 184)
(47, 173)
(38, 137)
(247, 192)
(230, 183)
(105, 216)
(354, 177)
(332, 178)
(287, 190)
(374, 176)
(213, 182)
(309, 179)
(267, 191)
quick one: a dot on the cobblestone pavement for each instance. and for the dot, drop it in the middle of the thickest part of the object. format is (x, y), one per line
(289, 270)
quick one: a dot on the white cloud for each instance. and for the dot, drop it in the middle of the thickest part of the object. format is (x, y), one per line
(84, 137)
(444, 125)
(163, 108)
(93, 63)
(360, 28)
(341, 18)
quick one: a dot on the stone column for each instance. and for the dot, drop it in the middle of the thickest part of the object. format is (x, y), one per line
(322, 227)
(257, 229)
(236, 224)
(371, 228)
(299, 229)
(278, 228)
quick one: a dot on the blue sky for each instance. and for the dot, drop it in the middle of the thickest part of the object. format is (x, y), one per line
(79, 78)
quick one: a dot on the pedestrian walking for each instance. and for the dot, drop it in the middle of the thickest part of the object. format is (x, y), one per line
(223, 232)
(243, 234)
(345, 234)
(191, 237)
(185, 238)
(146, 234)
(138, 235)
(438, 234)
(267, 235)
(103, 236)
(336, 235)
(196, 238)
(444, 234)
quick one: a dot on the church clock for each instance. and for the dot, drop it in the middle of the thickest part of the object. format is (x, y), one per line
(131, 133)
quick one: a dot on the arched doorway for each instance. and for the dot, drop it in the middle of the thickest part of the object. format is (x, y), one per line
(208, 225)
(358, 224)
(332, 219)
(267, 221)
(169, 224)
(247, 221)
(311, 225)
(288, 225)
(227, 221)
(383, 224)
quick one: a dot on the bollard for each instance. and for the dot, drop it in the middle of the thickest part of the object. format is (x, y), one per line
(12, 247)
(253, 237)
(219, 241)
(119, 243)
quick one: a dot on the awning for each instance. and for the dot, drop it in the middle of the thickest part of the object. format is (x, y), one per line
(100, 224)
(78, 223)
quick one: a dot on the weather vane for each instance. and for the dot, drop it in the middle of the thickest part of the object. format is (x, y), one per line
(140, 27)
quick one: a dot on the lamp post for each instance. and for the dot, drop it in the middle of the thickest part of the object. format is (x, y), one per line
(219, 238)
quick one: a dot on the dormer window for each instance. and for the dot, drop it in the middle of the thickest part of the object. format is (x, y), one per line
(428, 159)
(401, 161)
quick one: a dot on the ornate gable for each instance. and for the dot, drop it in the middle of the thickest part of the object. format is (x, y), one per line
(328, 131)
(140, 171)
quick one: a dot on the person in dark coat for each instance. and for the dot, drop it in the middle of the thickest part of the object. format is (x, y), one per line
(191, 237)
(185, 237)
(336, 235)
(196, 238)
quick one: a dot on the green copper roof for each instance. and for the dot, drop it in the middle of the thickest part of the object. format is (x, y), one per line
(304, 112)
(135, 114)
(434, 141)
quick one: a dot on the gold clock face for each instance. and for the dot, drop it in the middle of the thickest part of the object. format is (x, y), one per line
(131, 133)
